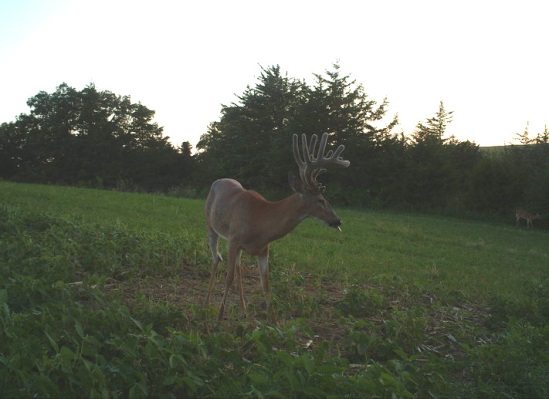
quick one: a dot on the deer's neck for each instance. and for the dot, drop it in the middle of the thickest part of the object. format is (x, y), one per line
(264, 222)
(281, 217)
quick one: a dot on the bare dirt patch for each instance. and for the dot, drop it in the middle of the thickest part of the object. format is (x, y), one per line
(316, 301)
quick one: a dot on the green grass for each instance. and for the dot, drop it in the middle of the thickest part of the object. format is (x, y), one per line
(477, 258)
(102, 296)
(138, 211)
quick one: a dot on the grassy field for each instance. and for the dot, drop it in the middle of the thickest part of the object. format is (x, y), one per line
(102, 295)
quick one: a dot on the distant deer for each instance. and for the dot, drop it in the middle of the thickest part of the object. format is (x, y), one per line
(249, 222)
(528, 216)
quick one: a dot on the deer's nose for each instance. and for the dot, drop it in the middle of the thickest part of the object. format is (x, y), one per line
(336, 224)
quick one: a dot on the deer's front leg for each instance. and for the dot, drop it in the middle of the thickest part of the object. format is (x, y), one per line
(263, 260)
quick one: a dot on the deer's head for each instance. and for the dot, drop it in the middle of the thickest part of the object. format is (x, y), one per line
(310, 166)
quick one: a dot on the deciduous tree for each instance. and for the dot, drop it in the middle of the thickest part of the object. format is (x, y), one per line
(87, 137)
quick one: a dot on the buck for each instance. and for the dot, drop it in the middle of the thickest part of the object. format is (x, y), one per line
(528, 216)
(249, 222)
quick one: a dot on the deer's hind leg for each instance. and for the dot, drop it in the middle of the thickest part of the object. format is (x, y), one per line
(233, 264)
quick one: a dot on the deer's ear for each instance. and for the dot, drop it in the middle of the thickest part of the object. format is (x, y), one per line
(295, 183)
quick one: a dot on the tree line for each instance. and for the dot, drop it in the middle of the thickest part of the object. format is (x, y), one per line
(99, 139)
(90, 138)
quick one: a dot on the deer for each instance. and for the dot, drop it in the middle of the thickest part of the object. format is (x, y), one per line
(249, 222)
(528, 216)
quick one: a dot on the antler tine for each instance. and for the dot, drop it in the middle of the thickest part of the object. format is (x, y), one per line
(301, 163)
(321, 148)
(337, 159)
(310, 166)
(330, 157)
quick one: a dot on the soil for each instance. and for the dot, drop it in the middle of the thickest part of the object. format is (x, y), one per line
(188, 292)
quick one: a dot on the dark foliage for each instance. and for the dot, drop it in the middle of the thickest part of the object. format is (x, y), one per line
(90, 138)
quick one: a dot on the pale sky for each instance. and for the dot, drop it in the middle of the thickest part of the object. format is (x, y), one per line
(487, 60)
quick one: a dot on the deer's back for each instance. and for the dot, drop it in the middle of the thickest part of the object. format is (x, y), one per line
(228, 202)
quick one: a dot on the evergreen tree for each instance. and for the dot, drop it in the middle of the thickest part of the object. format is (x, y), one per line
(343, 109)
(542, 137)
(432, 131)
(524, 137)
(437, 166)
(340, 106)
(252, 140)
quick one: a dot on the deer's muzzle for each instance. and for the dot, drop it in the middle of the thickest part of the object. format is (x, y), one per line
(335, 224)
